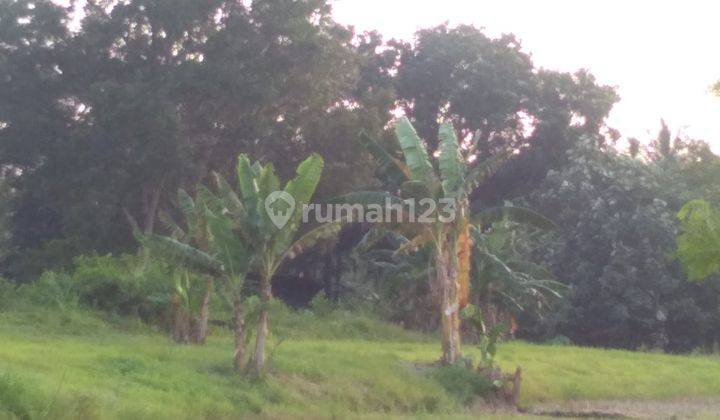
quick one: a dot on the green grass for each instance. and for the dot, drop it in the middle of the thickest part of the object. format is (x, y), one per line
(76, 365)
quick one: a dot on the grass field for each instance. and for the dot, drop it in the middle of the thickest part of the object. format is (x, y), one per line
(72, 365)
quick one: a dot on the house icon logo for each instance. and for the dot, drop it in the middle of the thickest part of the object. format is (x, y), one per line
(280, 207)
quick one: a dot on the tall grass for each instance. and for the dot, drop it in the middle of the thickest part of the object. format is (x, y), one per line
(77, 365)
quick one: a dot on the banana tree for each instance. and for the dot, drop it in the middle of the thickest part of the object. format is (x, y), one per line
(236, 258)
(266, 220)
(504, 282)
(209, 247)
(190, 316)
(195, 234)
(439, 190)
(186, 262)
(211, 214)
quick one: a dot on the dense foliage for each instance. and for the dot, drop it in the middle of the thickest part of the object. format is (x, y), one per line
(104, 119)
(699, 243)
(617, 227)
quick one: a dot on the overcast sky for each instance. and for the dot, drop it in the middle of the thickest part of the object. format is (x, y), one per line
(662, 56)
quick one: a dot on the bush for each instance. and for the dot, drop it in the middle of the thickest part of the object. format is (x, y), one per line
(125, 285)
(52, 290)
(462, 383)
(321, 305)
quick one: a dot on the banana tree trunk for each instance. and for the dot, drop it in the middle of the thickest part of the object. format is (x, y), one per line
(200, 324)
(449, 303)
(180, 321)
(262, 327)
(239, 358)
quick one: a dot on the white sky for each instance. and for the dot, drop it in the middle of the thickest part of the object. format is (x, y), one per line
(661, 55)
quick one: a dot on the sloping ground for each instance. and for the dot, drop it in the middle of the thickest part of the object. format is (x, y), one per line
(571, 373)
(72, 365)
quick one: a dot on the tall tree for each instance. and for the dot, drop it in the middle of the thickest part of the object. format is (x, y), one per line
(615, 224)
(491, 86)
(131, 59)
(33, 39)
(148, 96)
(33, 119)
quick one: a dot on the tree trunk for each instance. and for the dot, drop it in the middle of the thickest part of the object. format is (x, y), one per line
(180, 320)
(262, 326)
(449, 303)
(200, 325)
(239, 358)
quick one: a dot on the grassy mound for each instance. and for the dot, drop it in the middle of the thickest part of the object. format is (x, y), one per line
(77, 365)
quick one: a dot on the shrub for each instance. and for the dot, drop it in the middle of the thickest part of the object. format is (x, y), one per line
(53, 290)
(462, 383)
(125, 285)
(321, 305)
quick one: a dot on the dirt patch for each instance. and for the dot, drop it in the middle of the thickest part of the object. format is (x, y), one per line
(691, 408)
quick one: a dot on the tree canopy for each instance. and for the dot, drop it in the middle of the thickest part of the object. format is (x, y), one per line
(115, 112)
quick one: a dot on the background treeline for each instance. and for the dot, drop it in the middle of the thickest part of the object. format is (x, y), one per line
(145, 97)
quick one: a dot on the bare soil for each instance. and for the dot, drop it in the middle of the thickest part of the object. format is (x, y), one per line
(691, 408)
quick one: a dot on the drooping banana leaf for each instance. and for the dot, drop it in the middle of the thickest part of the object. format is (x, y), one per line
(394, 169)
(513, 285)
(206, 198)
(481, 171)
(176, 232)
(324, 232)
(379, 233)
(181, 253)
